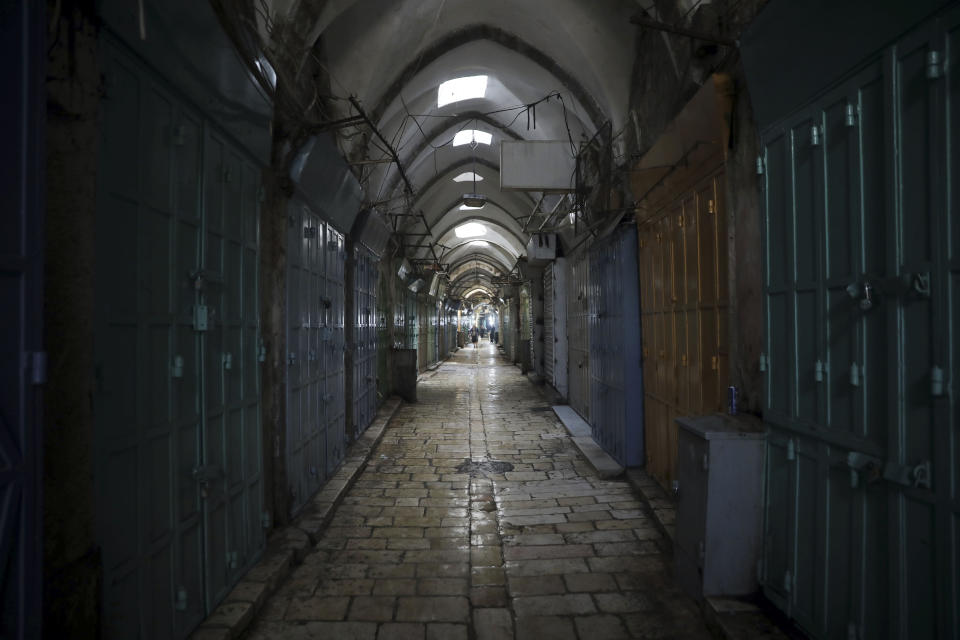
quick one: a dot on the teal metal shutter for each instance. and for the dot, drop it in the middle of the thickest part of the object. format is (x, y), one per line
(177, 447)
(861, 270)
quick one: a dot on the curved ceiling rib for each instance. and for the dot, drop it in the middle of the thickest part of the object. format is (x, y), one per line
(393, 55)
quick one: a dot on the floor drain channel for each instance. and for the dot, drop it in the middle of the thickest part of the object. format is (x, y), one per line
(479, 467)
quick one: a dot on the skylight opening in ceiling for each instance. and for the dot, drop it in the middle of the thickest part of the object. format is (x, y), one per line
(459, 89)
(468, 176)
(466, 207)
(471, 137)
(470, 230)
(478, 243)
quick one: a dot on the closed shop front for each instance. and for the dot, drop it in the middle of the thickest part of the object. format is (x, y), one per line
(683, 257)
(578, 334)
(555, 325)
(178, 447)
(616, 385)
(861, 283)
(364, 346)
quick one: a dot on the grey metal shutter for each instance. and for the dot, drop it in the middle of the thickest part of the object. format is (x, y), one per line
(548, 324)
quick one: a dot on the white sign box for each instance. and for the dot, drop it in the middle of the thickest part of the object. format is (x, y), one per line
(537, 165)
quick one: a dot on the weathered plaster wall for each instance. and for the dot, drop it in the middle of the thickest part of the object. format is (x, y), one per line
(71, 559)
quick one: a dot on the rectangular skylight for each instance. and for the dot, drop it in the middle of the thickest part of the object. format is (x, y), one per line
(466, 207)
(468, 136)
(461, 89)
(470, 230)
(469, 176)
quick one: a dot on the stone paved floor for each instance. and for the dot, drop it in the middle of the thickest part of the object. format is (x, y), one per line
(423, 548)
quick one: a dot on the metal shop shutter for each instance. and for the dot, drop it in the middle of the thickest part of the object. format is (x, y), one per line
(306, 339)
(684, 313)
(578, 333)
(178, 443)
(616, 385)
(861, 264)
(548, 341)
(335, 389)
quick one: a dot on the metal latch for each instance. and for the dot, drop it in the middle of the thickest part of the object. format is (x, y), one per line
(228, 361)
(918, 476)
(204, 474)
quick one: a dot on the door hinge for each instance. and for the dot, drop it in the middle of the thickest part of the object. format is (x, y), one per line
(850, 117)
(181, 601)
(852, 632)
(228, 361)
(814, 136)
(233, 560)
(854, 375)
(760, 165)
(787, 581)
(679, 221)
(818, 371)
(266, 520)
(763, 363)
(200, 317)
(176, 370)
(38, 367)
(292, 358)
(178, 135)
(933, 65)
(261, 351)
(791, 449)
(936, 381)
(711, 207)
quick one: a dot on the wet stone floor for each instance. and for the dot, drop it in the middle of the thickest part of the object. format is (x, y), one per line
(477, 518)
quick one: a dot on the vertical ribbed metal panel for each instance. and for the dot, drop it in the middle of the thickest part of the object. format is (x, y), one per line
(334, 386)
(22, 366)
(616, 383)
(578, 332)
(548, 336)
(365, 339)
(861, 511)
(306, 363)
(178, 447)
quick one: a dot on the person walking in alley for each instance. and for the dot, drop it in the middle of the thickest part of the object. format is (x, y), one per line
(474, 336)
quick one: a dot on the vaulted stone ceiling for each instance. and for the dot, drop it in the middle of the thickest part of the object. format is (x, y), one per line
(572, 58)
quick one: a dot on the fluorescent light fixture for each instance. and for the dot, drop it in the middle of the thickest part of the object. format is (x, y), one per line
(468, 136)
(470, 293)
(461, 89)
(478, 243)
(470, 230)
(466, 207)
(469, 176)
